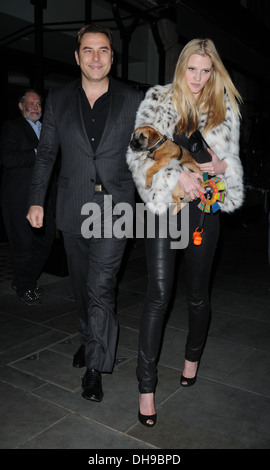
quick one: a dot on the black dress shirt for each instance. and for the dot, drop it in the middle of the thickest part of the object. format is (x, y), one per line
(95, 118)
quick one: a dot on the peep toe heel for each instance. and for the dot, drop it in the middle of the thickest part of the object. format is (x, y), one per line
(147, 420)
(189, 382)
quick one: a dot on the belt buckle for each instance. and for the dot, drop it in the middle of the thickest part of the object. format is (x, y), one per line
(98, 187)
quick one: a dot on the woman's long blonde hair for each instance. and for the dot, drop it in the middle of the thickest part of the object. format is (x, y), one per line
(211, 100)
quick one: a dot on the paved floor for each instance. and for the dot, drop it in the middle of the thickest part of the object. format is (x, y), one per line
(228, 408)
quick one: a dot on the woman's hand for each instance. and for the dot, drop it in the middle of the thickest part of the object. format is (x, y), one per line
(215, 167)
(190, 182)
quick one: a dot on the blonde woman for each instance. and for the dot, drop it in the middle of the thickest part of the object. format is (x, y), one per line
(202, 96)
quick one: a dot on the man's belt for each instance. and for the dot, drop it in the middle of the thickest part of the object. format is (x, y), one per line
(98, 188)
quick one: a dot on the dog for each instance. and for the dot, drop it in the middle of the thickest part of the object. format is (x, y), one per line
(162, 150)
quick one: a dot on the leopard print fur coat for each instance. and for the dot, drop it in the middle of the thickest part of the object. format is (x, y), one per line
(157, 110)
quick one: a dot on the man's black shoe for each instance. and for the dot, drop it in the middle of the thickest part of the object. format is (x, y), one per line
(30, 298)
(38, 290)
(92, 386)
(79, 357)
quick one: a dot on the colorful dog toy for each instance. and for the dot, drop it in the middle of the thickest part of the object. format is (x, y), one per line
(214, 194)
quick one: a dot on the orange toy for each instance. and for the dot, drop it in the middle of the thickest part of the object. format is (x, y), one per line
(214, 194)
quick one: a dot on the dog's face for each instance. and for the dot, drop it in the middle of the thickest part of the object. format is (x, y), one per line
(144, 138)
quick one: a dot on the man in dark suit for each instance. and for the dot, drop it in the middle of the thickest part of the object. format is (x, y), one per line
(30, 248)
(92, 120)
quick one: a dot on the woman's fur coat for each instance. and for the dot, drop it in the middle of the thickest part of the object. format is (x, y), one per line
(157, 110)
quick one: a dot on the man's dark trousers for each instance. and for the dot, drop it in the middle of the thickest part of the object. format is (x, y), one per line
(98, 260)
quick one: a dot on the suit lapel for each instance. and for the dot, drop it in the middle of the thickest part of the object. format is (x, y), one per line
(115, 108)
(76, 112)
(32, 136)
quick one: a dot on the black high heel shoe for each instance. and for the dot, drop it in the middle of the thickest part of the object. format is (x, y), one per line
(147, 420)
(189, 382)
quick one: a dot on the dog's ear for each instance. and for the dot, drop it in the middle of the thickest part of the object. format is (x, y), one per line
(153, 138)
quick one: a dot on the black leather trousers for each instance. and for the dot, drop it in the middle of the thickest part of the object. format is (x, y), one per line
(161, 267)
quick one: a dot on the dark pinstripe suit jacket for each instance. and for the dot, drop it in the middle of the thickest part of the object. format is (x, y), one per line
(63, 126)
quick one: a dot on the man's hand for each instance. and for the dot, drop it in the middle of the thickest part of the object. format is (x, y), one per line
(35, 216)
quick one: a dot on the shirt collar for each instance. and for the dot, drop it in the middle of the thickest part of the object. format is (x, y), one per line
(105, 94)
(37, 123)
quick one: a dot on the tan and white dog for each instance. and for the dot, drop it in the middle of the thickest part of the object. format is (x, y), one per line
(162, 150)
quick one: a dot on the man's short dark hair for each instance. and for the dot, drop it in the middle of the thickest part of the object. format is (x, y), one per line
(93, 28)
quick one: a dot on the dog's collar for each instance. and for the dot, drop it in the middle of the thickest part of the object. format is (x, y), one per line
(158, 144)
